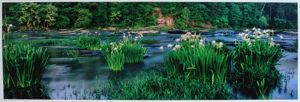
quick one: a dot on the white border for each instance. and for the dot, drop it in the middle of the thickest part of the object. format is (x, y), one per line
(38, 100)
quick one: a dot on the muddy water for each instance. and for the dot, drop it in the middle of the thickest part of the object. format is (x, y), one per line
(76, 78)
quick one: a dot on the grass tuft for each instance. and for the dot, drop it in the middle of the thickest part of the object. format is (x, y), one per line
(23, 65)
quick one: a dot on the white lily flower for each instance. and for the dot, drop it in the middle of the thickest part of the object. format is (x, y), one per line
(258, 36)
(177, 47)
(213, 42)
(247, 30)
(170, 45)
(193, 46)
(161, 47)
(221, 44)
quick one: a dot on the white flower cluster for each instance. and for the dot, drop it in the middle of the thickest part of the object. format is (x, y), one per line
(258, 34)
(189, 37)
(116, 46)
(128, 36)
(176, 47)
(216, 44)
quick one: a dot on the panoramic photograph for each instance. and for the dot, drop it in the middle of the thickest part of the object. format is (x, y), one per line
(150, 50)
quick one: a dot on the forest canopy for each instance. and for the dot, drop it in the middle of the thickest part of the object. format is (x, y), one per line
(124, 15)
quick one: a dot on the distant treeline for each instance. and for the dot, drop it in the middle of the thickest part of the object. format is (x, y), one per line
(122, 15)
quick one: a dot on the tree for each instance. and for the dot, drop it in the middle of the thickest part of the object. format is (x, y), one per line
(222, 21)
(105, 14)
(84, 18)
(101, 14)
(62, 21)
(235, 15)
(49, 15)
(219, 16)
(29, 15)
(263, 22)
(183, 19)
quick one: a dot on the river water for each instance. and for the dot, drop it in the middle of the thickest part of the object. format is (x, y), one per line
(76, 78)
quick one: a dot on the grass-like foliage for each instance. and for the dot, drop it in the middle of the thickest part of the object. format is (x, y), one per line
(114, 56)
(127, 51)
(255, 61)
(133, 51)
(89, 42)
(198, 61)
(154, 85)
(23, 65)
(261, 51)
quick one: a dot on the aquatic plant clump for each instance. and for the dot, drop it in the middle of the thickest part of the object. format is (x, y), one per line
(196, 59)
(23, 65)
(133, 51)
(154, 85)
(115, 58)
(89, 42)
(255, 60)
(245, 78)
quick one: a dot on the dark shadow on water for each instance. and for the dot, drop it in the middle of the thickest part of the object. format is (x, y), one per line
(26, 93)
(129, 70)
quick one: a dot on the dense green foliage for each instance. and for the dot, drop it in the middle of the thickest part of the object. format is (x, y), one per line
(183, 20)
(103, 14)
(32, 15)
(23, 65)
(194, 71)
(84, 18)
(201, 62)
(254, 63)
(89, 42)
(115, 58)
(154, 85)
(260, 52)
(133, 51)
(125, 51)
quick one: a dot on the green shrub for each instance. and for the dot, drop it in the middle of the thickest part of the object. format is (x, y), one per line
(84, 18)
(23, 65)
(154, 85)
(89, 42)
(255, 61)
(62, 21)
